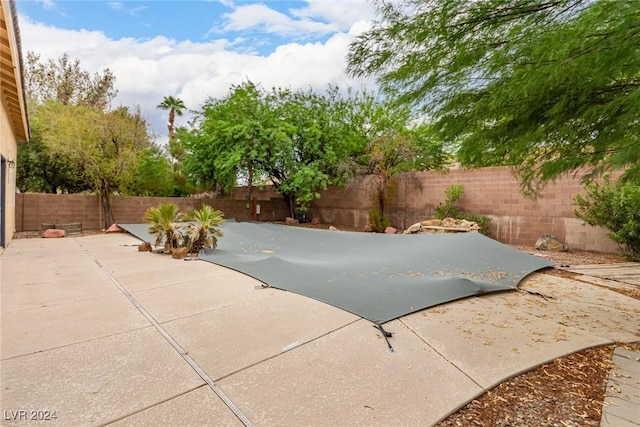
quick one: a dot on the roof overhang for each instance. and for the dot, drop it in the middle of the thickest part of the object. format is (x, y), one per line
(11, 83)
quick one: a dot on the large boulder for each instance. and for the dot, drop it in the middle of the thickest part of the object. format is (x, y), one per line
(53, 233)
(549, 242)
(291, 221)
(447, 225)
(390, 230)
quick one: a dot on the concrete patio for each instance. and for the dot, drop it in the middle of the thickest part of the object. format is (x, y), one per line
(100, 334)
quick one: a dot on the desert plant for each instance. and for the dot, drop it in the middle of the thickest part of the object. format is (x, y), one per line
(448, 210)
(615, 207)
(202, 230)
(163, 221)
(378, 221)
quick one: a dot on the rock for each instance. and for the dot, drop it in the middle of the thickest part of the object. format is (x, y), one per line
(114, 228)
(53, 233)
(316, 221)
(332, 228)
(390, 230)
(179, 253)
(367, 228)
(144, 247)
(290, 221)
(448, 222)
(549, 242)
(415, 228)
(431, 222)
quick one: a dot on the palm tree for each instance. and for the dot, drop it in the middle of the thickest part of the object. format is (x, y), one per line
(175, 107)
(163, 222)
(203, 229)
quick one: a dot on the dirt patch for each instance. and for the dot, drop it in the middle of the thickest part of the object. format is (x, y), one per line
(569, 391)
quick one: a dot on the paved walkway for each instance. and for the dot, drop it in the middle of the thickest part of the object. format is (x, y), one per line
(95, 333)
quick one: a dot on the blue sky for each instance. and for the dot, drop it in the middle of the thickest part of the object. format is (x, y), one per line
(198, 49)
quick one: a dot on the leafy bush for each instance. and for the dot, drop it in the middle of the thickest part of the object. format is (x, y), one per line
(378, 221)
(449, 210)
(615, 207)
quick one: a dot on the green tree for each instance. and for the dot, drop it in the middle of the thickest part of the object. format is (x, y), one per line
(176, 107)
(151, 175)
(104, 144)
(292, 139)
(39, 170)
(230, 137)
(394, 144)
(65, 81)
(616, 207)
(549, 87)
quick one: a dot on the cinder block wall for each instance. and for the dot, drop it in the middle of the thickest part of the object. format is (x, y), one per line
(33, 209)
(490, 191)
(493, 192)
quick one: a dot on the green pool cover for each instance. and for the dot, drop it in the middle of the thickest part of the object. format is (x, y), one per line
(377, 276)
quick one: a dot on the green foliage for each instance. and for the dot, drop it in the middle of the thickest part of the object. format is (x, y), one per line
(295, 140)
(378, 221)
(449, 210)
(74, 128)
(546, 87)
(202, 230)
(151, 175)
(40, 170)
(163, 223)
(615, 207)
(65, 81)
(393, 145)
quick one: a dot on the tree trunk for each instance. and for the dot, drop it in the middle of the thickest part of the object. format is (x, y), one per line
(104, 193)
(250, 183)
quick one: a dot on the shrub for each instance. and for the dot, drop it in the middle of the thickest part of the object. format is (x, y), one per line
(615, 207)
(378, 221)
(163, 223)
(202, 230)
(449, 210)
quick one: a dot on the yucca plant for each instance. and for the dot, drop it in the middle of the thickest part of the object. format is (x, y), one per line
(163, 221)
(202, 230)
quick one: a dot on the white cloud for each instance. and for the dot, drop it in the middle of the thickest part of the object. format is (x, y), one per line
(340, 13)
(150, 69)
(261, 18)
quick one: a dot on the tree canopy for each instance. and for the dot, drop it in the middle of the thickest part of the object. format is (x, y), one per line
(79, 143)
(300, 141)
(548, 87)
(291, 139)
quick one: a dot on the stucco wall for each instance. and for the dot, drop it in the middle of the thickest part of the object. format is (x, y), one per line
(8, 148)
